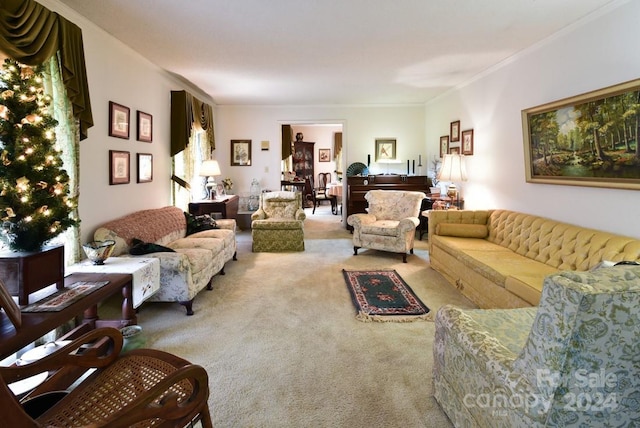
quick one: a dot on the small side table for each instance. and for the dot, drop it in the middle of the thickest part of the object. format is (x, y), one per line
(145, 272)
(226, 205)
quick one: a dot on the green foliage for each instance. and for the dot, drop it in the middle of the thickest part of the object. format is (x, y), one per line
(34, 188)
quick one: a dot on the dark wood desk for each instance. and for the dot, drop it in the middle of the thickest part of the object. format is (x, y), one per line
(227, 206)
(37, 324)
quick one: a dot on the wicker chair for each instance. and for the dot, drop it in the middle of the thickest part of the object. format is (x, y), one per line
(140, 388)
(278, 225)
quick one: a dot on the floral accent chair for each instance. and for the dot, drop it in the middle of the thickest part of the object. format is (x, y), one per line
(573, 361)
(278, 225)
(390, 224)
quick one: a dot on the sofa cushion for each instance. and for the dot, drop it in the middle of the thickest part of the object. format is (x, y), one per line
(381, 227)
(160, 225)
(227, 236)
(214, 245)
(462, 230)
(277, 224)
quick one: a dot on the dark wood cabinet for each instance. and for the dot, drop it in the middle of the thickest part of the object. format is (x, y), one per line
(303, 160)
(227, 206)
(358, 186)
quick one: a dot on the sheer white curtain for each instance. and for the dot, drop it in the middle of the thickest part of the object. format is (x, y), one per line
(68, 142)
(186, 165)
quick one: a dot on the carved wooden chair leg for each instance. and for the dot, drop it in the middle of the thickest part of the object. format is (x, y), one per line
(355, 250)
(235, 256)
(404, 257)
(188, 306)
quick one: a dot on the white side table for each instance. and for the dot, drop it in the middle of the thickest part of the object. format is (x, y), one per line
(145, 272)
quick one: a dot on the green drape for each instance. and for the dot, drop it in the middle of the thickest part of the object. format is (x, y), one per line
(188, 112)
(287, 138)
(31, 34)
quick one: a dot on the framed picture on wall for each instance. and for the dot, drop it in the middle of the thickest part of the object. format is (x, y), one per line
(119, 167)
(467, 142)
(145, 167)
(444, 145)
(385, 149)
(454, 131)
(240, 152)
(585, 140)
(324, 155)
(144, 127)
(118, 120)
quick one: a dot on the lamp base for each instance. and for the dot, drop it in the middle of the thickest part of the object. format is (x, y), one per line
(211, 188)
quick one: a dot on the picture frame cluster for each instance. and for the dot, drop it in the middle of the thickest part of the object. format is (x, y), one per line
(458, 141)
(120, 160)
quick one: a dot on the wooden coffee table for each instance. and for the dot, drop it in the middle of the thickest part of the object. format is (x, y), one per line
(37, 324)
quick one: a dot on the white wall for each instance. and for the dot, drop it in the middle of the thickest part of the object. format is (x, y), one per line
(117, 73)
(361, 126)
(594, 54)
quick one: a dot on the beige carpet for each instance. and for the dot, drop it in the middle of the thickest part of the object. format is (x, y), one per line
(280, 341)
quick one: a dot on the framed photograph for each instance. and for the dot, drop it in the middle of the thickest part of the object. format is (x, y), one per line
(585, 140)
(467, 142)
(145, 167)
(324, 155)
(240, 152)
(119, 167)
(119, 120)
(385, 149)
(144, 127)
(10, 306)
(444, 145)
(454, 150)
(454, 131)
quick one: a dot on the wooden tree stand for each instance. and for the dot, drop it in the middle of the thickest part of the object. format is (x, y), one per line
(26, 272)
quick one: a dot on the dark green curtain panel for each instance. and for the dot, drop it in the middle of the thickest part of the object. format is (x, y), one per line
(31, 34)
(287, 138)
(187, 111)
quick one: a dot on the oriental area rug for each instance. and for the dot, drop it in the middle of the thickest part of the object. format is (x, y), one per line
(382, 295)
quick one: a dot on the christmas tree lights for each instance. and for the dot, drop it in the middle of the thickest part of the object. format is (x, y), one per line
(35, 205)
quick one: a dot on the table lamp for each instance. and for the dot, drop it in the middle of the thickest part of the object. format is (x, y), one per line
(210, 169)
(453, 170)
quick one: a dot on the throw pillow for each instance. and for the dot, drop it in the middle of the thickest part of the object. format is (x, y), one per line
(198, 223)
(462, 230)
(140, 247)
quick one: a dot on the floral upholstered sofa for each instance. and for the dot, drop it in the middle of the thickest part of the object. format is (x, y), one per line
(571, 362)
(390, 224)
(499, 258)
(195, 259)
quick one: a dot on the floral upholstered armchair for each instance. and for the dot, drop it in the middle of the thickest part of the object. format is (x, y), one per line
(572, 361)
(278, 225)
(390, 224)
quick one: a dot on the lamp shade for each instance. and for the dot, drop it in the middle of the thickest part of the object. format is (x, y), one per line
(452, 169)
(210, 168)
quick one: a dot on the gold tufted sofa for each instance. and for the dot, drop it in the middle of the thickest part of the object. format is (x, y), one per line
(499, 258)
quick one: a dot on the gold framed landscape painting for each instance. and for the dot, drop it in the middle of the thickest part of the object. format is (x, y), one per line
(586, 140)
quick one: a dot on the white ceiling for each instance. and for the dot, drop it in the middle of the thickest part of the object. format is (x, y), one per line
(330, 51)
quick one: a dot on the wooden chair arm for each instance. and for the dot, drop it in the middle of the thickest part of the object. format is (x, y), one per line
(167, 407)
(64, 356)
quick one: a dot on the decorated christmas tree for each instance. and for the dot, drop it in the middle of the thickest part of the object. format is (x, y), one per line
(34, 188)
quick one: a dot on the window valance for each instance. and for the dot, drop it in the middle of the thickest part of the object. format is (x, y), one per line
(187, 113)
(31, 34)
